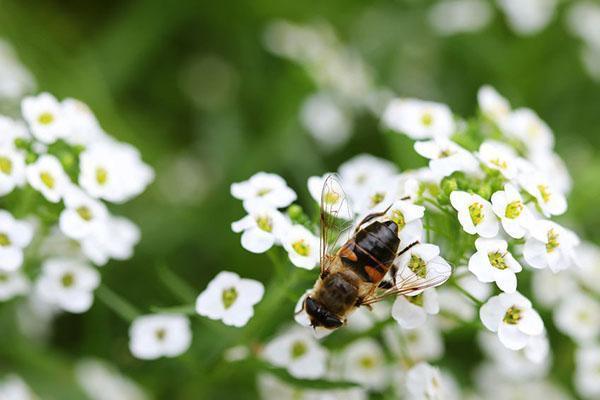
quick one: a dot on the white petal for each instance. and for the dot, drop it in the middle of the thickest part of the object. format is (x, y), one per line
(512, 337)
(257, 240)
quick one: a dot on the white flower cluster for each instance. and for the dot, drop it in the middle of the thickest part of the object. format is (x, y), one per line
(15, 79)
(59, 165)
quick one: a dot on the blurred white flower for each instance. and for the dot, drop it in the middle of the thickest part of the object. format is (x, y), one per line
(550, 246)
(101, 381)
(509, 206)
(364, 319)
(82, 126)
(44, 116)
(492, 104)
(13, 387)
(15, 79)
(423, 343)
(424, 382)
(525, 125)
(11, 130)
(273, 388)
(422, 262)
(498, 156)
(113, 171)
(587, 371)
(12, 169)
(159, 335)
(492, 262)
(270, 188)
(263, 227)
(114, 238)
(411, 311)
(326, 120)
(583, 20)
(15, 235)
(450, 17)
(230, 299)
(447, 157)
(302, 247)
(588, 272)
(512, 316)
(363, 172)
(553, 168)
(47, 176)
(81, 214)
(364, 363)
(419, 119)
(12, 284)
(528, 17)
(68, 284)
(550, 200)
(549, 287)
(333, 196)
(297, 351)
(578, 316)
(475, 214)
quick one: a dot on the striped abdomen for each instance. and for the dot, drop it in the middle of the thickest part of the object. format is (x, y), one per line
(372, 251)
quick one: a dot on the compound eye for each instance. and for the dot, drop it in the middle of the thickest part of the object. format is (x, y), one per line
(311, 306)
(332, 322)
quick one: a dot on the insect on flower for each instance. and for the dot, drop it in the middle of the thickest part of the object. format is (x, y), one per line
(363, 271)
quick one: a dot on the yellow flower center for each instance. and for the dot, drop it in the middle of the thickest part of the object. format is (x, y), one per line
(263, 192)
(229, 296)
(68, 279)
(544, 192)
(367, 362)
(298, 349)
(398, 218)
(264, 223)
(497, 260)
(427, 119)
(101, 175)
(512, 316)
(160, 334)
(85, 213)
(475, 211)
(418, 266)
(301, 247)
(47, 179)
(445, 153)
(514, 209)
(499, 163)
(45, 118)
(5, 165)
(4, 239)
(331, 197)
(416, 300)
(377, 198)
(552, 241)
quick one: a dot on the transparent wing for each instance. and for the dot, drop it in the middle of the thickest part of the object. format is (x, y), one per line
(336, 217)
(409, 283)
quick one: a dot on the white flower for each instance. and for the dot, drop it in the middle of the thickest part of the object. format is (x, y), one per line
(411, 311)
(550, 245)
(492, 104)
(364, 319)
(15, 79)
(297, 351)
(475, 214)
(82, 126)
(81, 215)
(11, 130)
(422, 263)
(446, 157)
(326, 120)
(587, 372)
(493, 263)
(12, 284)
(549, 288)
(47, 176)
(578, 316)
(424, 382)
(364, 363)
(588, 272)
(451, 17)
(409, 218)
(113, 171)
(512, 316)
(271, 188)
(528, 17)
(333, 197)
(550, 200)
(498, 156)
(364, 172)
(44, 116)
(13, 387)
(101, 381)
(15, 235)
(230, 299)
(583, 20)
(302, 247)
(419, 119)
(525, 125)
(12, 170)
(159, 335)
(263, 227)
(114, 238)
(508, 205)
(422, 343)
(68, 284)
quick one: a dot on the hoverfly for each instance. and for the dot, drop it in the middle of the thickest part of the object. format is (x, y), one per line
(363, 270)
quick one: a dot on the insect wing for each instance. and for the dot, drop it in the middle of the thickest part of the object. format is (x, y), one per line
(336, 217)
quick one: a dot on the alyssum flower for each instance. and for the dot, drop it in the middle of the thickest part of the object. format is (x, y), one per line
(270, 188)
(15, 235)
(493, 263)
(475, 214)
(159, 335)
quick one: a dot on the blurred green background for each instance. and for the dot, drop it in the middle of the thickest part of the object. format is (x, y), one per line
(191, 84)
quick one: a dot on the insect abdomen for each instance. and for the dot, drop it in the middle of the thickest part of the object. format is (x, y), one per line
(372, 251)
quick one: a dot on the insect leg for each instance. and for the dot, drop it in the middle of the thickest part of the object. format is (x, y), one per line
(370, 217)
(407, 248)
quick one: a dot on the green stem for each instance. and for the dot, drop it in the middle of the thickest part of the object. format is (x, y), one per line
(177, 286)
(466, 293)
(118, 304)
(187, 309)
